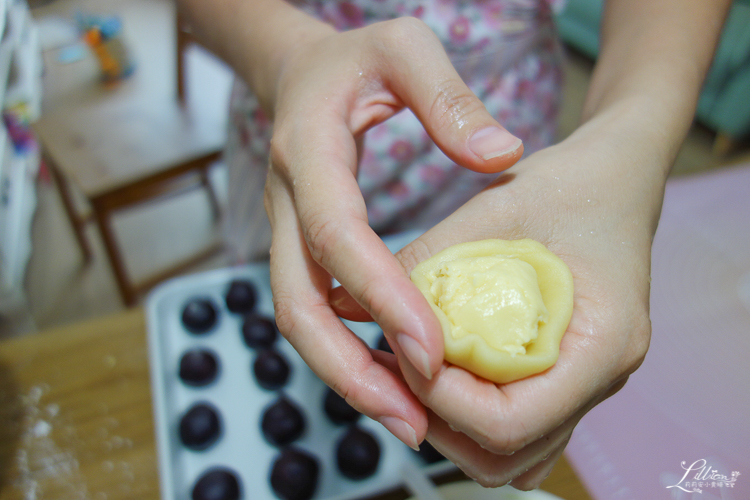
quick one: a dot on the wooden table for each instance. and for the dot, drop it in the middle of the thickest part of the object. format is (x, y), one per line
(76, 419)
(152, 135)
(118, 155)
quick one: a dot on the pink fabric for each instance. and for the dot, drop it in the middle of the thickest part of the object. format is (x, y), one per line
(690, 400)
(507, 53)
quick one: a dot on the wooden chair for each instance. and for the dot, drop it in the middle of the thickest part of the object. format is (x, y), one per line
(120, 153)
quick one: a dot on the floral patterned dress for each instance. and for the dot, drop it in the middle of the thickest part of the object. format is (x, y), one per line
(506, 51)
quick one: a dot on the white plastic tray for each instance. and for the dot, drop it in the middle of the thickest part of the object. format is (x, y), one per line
(240, 400)
(469, 490)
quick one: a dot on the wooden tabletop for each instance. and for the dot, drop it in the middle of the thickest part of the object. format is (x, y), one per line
(76, 418)
(75, 413)
(107, 145)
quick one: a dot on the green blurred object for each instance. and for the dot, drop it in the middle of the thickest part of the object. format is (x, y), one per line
(724, 104)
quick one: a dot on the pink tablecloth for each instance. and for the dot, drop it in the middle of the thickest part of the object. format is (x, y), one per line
(688, 406)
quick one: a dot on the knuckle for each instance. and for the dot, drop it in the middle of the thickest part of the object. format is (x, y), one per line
(342, 387)
(405, 29)
(506, 444)
(279, 150)
(489, 478)
(484, 480)
(347, 389)
(413, 254)
(453, 104)
(368, 294)
(485, 441)
(503, 433)
(287, 319)
(512, 438)
(515, 441)
(320, 231)
(390, 37)
(524, 484)
(638, 346)
(357, 391)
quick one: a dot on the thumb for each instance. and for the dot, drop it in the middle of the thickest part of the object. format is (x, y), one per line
(426, 81)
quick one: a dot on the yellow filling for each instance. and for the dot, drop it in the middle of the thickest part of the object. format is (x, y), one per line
(495, 297)
(503, 305)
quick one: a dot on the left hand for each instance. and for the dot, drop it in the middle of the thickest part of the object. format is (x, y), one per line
(331, 90)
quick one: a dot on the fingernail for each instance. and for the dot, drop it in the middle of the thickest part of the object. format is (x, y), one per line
(416, 354)
(492, 142)
(401, 430)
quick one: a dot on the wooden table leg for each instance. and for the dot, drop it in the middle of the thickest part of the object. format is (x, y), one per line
(212, 198)
(103, 221)
(66, 196)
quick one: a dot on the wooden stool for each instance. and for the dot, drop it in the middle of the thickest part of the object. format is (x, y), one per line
(141, 153)
(123, 152)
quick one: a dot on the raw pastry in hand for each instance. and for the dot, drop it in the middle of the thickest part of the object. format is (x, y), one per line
(503, 305)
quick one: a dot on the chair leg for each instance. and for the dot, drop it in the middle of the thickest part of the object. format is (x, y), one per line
(76, 222)
(127, 290)
(213, 199)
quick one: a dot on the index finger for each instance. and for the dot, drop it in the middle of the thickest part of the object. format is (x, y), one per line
(333, 352)
(333, 219)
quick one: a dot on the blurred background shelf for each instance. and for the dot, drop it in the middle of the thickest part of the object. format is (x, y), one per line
(21, 93)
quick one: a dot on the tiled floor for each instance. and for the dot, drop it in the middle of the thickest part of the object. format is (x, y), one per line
(60, 288)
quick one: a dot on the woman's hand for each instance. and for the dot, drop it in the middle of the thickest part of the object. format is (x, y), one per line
(588, 203)
(593, 200)
(330, 90)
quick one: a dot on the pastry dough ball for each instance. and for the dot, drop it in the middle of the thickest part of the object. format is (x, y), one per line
(503, 305)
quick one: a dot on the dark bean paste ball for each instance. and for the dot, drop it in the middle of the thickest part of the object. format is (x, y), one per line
(199, 315)
(294, 475)
(338, 410)
(198, 367)
(241, 296)
(429, 454)
(217, 484)
(259, 331)
(383, 344)
(283, 422)
(357, 453)
(200, 427)
(271, 370)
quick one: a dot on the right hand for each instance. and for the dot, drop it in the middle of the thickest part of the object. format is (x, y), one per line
(330, 90)
(597, 210)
